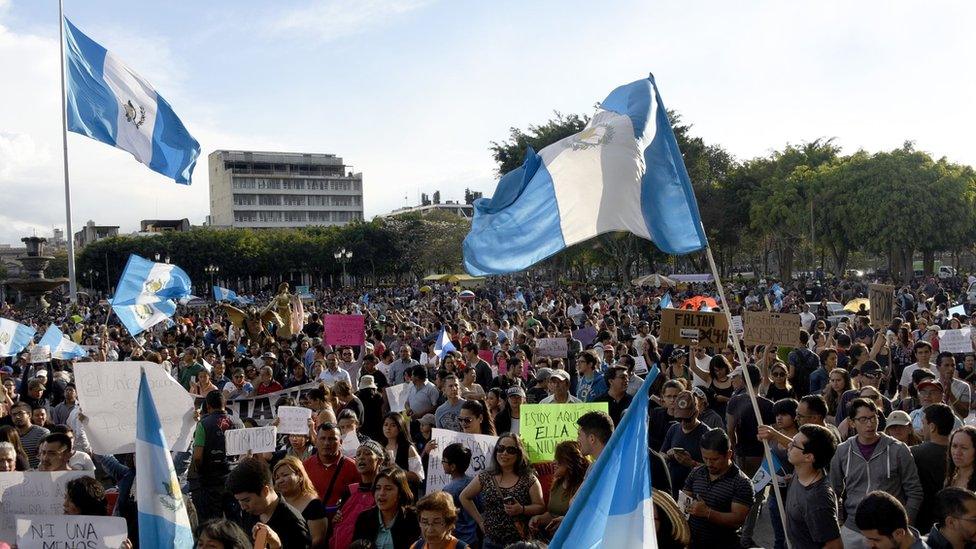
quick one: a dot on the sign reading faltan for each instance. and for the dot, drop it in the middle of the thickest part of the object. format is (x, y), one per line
(882, 304)
(680, 326)
(762, 328)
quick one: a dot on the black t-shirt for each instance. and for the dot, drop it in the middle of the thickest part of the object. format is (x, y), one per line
(746, 430)
(811, 514)
(288, 523)
(315, 510)
(616, 409)
(930, 459)
(658, 427)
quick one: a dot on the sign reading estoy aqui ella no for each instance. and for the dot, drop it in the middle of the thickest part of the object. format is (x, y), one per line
(680, 326)
(543, 426)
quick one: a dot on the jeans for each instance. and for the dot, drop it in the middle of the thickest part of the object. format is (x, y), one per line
(779, 539)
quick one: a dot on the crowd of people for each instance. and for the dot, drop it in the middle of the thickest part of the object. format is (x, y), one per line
(870, 427)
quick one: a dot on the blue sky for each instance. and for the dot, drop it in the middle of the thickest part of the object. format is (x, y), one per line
(412, 92)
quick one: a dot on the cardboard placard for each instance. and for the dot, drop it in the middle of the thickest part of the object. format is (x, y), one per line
(554, 347)
(738, 326)
(543, 426)
(49, 531)
(257, 440)
(40, 353)
(882, 304)
(344, 329)
(396, 395)
(32, 493)
(762, 328)
(481, 447)
(956, 341)
(293, 420)
(680, 326)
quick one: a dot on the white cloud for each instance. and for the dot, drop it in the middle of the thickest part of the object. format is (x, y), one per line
(328, 20)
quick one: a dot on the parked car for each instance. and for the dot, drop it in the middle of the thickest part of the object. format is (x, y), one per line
(835, 311)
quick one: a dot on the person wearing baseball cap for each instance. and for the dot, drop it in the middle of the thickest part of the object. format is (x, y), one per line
(559, 387)
(930, 391)
(681, 444)
(507, 421)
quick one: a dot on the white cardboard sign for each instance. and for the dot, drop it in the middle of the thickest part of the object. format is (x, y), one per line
(91, 532)
(481, 447)
(257, 440)
(293, 420)
(956, 341)
(397, 396)
(32, 493)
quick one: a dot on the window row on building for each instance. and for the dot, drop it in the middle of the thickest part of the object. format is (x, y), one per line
(295, 217)
(297, 184)
(296, 200)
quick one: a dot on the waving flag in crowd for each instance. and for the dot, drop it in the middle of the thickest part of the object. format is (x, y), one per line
(144, 281)
(109, 102)
(141, 317)
(61, 347)
(623, 172)
(223, 294)
(443, 344)
(613, 506)
(14, 336)
(666, 301)
(163, 521)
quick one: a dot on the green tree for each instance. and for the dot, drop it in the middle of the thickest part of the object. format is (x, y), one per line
(510, 154)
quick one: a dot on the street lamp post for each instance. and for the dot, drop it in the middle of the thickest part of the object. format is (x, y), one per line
(91, 286)
(165, 259)
(211, 270)
(343, 256)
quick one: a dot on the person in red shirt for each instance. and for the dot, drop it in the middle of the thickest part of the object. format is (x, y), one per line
(329, 470)
(267, 383)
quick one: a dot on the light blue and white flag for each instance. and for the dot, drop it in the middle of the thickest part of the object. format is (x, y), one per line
(109, 102)
(623, 172)
(144, 281)
(140, 317)
(163, 521)
(443, 344)
(763, 477)
(61, 347)
(224, 294)
(666, 301)
(14, 336)
(613, 507)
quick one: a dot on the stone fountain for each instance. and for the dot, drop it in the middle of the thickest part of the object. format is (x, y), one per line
(34, 286)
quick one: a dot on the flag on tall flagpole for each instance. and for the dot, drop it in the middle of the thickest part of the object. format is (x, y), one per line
(61, 347)
(14, 336)
(111, 103)
(163, 521)
(623, 172)
(443, 345)
(613, 507)
(144, 281)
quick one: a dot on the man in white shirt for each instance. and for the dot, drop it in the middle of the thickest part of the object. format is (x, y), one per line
(923, 354)
(702, 359)
(351, 366)
(958, 394)
(559, 386)
(331, 373)
(806, 317)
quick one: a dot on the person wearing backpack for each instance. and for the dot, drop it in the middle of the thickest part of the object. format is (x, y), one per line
(803, 362)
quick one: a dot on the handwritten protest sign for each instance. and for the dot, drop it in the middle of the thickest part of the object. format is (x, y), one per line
(350, 444)
(261, 408)
(396, 395)
(680, 326)
(108, 394)
(88, 531)
(881, 298)
(762, 328)
(737, 325)
(543, 426)
(481, 447)
(40, 353)
(956, 341)
(344, 329)
(554, 347)
(256, 440)
(957, 310)
(32, 493)
(293, 420)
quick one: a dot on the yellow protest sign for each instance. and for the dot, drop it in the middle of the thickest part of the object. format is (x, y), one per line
(543, 426)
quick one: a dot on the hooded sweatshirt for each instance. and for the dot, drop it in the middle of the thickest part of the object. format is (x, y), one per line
(890, 469)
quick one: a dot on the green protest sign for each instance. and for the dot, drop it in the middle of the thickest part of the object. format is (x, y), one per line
(543, 426)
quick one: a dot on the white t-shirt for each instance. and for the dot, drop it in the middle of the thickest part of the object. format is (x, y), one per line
(702, 363)
(807, 319)
(906, 375)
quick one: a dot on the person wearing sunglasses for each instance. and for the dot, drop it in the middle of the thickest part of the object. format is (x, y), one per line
(811, 511)
(510, 495)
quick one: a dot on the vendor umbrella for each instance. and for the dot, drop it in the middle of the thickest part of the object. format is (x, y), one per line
(854, 305)
(695, 303)
(654, 280)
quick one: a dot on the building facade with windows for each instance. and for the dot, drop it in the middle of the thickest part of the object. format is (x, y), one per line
(267, 189)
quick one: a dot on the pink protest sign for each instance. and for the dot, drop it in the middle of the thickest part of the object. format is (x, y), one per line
(344, 330)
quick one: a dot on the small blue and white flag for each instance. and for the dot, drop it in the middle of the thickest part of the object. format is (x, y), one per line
(163, 521)
(61, 347)
(623, 172)
(144, 281)
(14, 336)
(443, 344)
(140, 317)
(763, 477)
(613, 507)
(223, 294)
(666, 301)
(109, 102)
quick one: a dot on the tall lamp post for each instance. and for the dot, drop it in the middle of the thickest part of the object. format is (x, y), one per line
(343, 256)
(211, 270)
(165, 259)
(91, 286)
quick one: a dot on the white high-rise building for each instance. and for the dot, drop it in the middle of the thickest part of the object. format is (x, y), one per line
(267, 189)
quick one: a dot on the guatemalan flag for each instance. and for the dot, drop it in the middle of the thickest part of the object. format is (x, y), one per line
(61, 347)
(224, 294)
(14, 336)
(163, 521)
(623, 172)
(613, 507)
(666, 301)
(109, 102)
(443, 344)
(139, 317)
(144, 281)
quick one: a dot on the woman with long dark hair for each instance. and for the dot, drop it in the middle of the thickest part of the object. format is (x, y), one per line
(961, 459)
(571, 466)
(393, 521)
(475, 419)
(400, 449)
(8, 433)
(838, 383)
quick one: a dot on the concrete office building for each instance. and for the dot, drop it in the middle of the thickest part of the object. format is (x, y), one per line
(266, 189)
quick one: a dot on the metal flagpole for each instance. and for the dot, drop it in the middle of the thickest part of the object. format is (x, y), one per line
(752, 391)
(72, 282)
